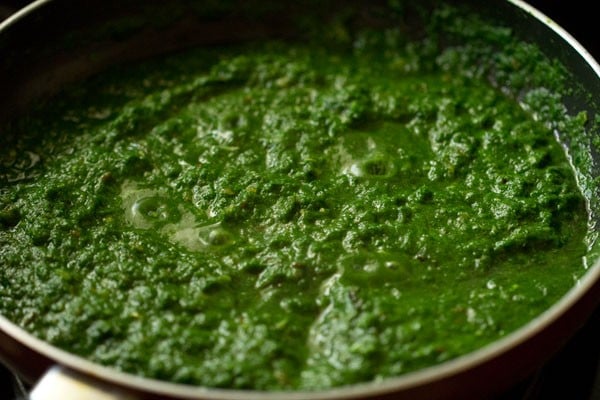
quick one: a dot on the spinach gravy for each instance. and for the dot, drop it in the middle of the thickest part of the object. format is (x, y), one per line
(279, 216)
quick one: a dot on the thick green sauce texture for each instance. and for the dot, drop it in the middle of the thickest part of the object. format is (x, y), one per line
(279, 216)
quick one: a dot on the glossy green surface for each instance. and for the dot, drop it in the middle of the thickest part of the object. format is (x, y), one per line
(283, 216)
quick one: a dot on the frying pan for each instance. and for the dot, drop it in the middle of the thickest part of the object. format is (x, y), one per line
(50, 43)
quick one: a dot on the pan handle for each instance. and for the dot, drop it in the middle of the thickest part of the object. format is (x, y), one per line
(64, 384)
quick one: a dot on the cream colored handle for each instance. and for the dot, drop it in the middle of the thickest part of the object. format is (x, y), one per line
(60, 383)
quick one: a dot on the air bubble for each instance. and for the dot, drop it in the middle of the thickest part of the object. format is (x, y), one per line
(151, 208)
(218, 237)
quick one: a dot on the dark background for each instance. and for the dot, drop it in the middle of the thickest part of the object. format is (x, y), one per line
(576, 16)
(574, 373)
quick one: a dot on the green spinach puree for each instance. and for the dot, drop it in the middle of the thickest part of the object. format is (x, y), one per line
(293, 216)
